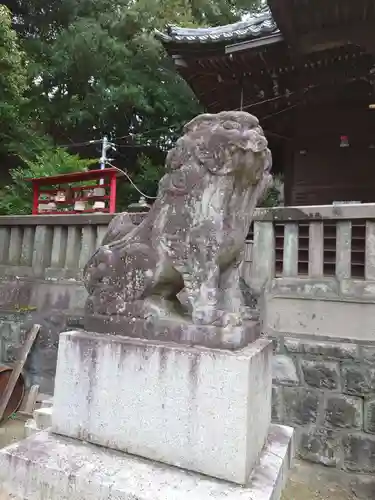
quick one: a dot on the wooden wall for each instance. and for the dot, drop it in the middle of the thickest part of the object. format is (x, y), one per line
(317, 170)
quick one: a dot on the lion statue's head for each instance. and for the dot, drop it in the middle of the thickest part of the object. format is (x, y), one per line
(225, 143)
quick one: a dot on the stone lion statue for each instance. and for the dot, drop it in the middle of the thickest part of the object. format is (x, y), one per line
(194, 234)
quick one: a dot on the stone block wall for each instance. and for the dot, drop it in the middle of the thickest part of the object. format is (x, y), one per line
(40, 366)
(326, 390)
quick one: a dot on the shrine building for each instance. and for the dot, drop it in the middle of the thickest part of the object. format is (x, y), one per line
(306, 69)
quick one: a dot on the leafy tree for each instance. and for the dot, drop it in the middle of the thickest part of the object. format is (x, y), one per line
(13, 84)
(95, 67)
(217, 12)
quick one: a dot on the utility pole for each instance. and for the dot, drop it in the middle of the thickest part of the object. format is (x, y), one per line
(106, 145)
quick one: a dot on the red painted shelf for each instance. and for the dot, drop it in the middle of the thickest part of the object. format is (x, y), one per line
(84, 198)
(54, 184)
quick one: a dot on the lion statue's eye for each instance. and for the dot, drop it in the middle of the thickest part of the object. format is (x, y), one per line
(228, 125)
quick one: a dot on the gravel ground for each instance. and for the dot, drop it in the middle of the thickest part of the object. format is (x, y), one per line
(312, 482)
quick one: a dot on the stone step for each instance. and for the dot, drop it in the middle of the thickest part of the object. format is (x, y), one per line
(43, 418)
(61, 468)
(30, 428)
(47, 403)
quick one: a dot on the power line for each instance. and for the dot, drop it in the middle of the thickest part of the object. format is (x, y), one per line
(168, 128)
(131, 181)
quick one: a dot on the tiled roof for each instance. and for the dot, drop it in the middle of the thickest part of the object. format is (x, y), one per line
(257, 26)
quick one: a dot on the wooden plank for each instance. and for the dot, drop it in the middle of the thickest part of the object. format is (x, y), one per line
(17, 370)
(290, 261)
(316, 250)
(29, 401)
(370, 251)
(344, 250)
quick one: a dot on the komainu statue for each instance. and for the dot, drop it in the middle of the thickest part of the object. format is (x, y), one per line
(192, 241)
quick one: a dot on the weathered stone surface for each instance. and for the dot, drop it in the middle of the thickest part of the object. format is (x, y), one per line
(321, 374)
(368, 353)
(41, 362)
(167, 330)
(43, 418)
(321, 446)
(51, 467)
(278, 343)
(359, 452)
(192, 238)
(207, 410)
(284, 371)
(277, 404)
(327, 349)
(363, 487)
(343, 411)
(358, 379)
(369, 412)
(300, 405)
(305, 310)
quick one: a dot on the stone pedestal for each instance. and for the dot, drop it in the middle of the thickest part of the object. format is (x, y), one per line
(206, 410)
(172, 330)
(163, 415)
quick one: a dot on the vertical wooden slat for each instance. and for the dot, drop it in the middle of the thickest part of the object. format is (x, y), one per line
(27, 246)
(73, 247)
(88, 245)
(15, 245)
(4, 244)
(101, 232)
(59, 244)
(343, 249)
(248, 250)
(263, 255)
(370, 251)
(316, 249)
(245, 266)
(42, 249)
(290, 263)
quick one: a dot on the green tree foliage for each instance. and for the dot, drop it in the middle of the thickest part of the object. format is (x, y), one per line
(13, 84)
(98, 68)
(94, 67)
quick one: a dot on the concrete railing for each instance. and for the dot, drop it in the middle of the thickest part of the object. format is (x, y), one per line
(57, 245)
(322, 253)
(314, 242)
(42, 257)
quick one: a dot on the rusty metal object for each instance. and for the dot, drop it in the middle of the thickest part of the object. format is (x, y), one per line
(17, 394)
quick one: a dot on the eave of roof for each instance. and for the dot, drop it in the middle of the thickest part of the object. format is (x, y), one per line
(256, 27)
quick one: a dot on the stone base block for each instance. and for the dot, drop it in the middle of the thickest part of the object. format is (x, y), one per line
(43, 418)
(166, 330)
(30, 428)
(47, 466)
(201, 409)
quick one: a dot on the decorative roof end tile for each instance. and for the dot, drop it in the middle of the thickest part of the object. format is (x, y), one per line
(257, 26)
